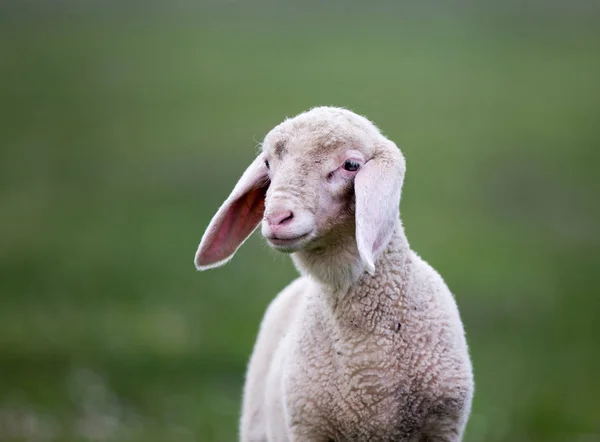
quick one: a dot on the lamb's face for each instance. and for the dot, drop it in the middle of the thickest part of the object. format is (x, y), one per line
(312, 164)
(324, 178)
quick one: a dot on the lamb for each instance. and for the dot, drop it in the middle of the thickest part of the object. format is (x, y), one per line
(368, 344)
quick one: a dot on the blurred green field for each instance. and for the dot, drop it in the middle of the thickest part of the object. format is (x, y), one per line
(121, 133)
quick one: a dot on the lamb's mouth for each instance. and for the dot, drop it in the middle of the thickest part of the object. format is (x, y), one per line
(288, 243)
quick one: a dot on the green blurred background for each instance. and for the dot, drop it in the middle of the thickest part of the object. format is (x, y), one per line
(123, 126)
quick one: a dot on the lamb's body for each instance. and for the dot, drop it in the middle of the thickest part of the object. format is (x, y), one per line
(386, 360)
(368, 344)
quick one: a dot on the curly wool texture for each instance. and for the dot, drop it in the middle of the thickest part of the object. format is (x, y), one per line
(368, 344)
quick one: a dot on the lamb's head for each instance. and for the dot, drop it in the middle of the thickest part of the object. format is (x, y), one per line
(326, 182)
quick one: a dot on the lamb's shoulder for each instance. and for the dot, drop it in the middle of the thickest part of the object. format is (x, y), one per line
(432, 330)
(274, 327)
(283, 308)
(435, 348)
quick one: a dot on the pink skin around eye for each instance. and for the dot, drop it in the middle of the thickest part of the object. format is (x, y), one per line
(337, 165)
(342, 173)
(351, 155)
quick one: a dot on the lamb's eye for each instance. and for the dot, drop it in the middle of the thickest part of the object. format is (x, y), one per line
(351, 165)
(267, 164)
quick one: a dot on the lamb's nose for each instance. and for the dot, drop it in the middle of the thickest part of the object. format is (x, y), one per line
(280, 217)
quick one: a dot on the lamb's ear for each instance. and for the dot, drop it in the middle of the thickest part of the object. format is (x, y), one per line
(377, 189)
(236, 219)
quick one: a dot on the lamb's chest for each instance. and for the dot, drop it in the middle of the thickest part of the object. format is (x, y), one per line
(349, 396)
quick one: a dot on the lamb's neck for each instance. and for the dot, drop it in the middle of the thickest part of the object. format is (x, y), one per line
(371, 304)
(342, 276)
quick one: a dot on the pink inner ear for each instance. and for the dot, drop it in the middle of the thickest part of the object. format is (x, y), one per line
(238, 221)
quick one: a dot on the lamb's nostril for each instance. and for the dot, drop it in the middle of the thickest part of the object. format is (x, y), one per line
(278, 218)
(287, 218)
